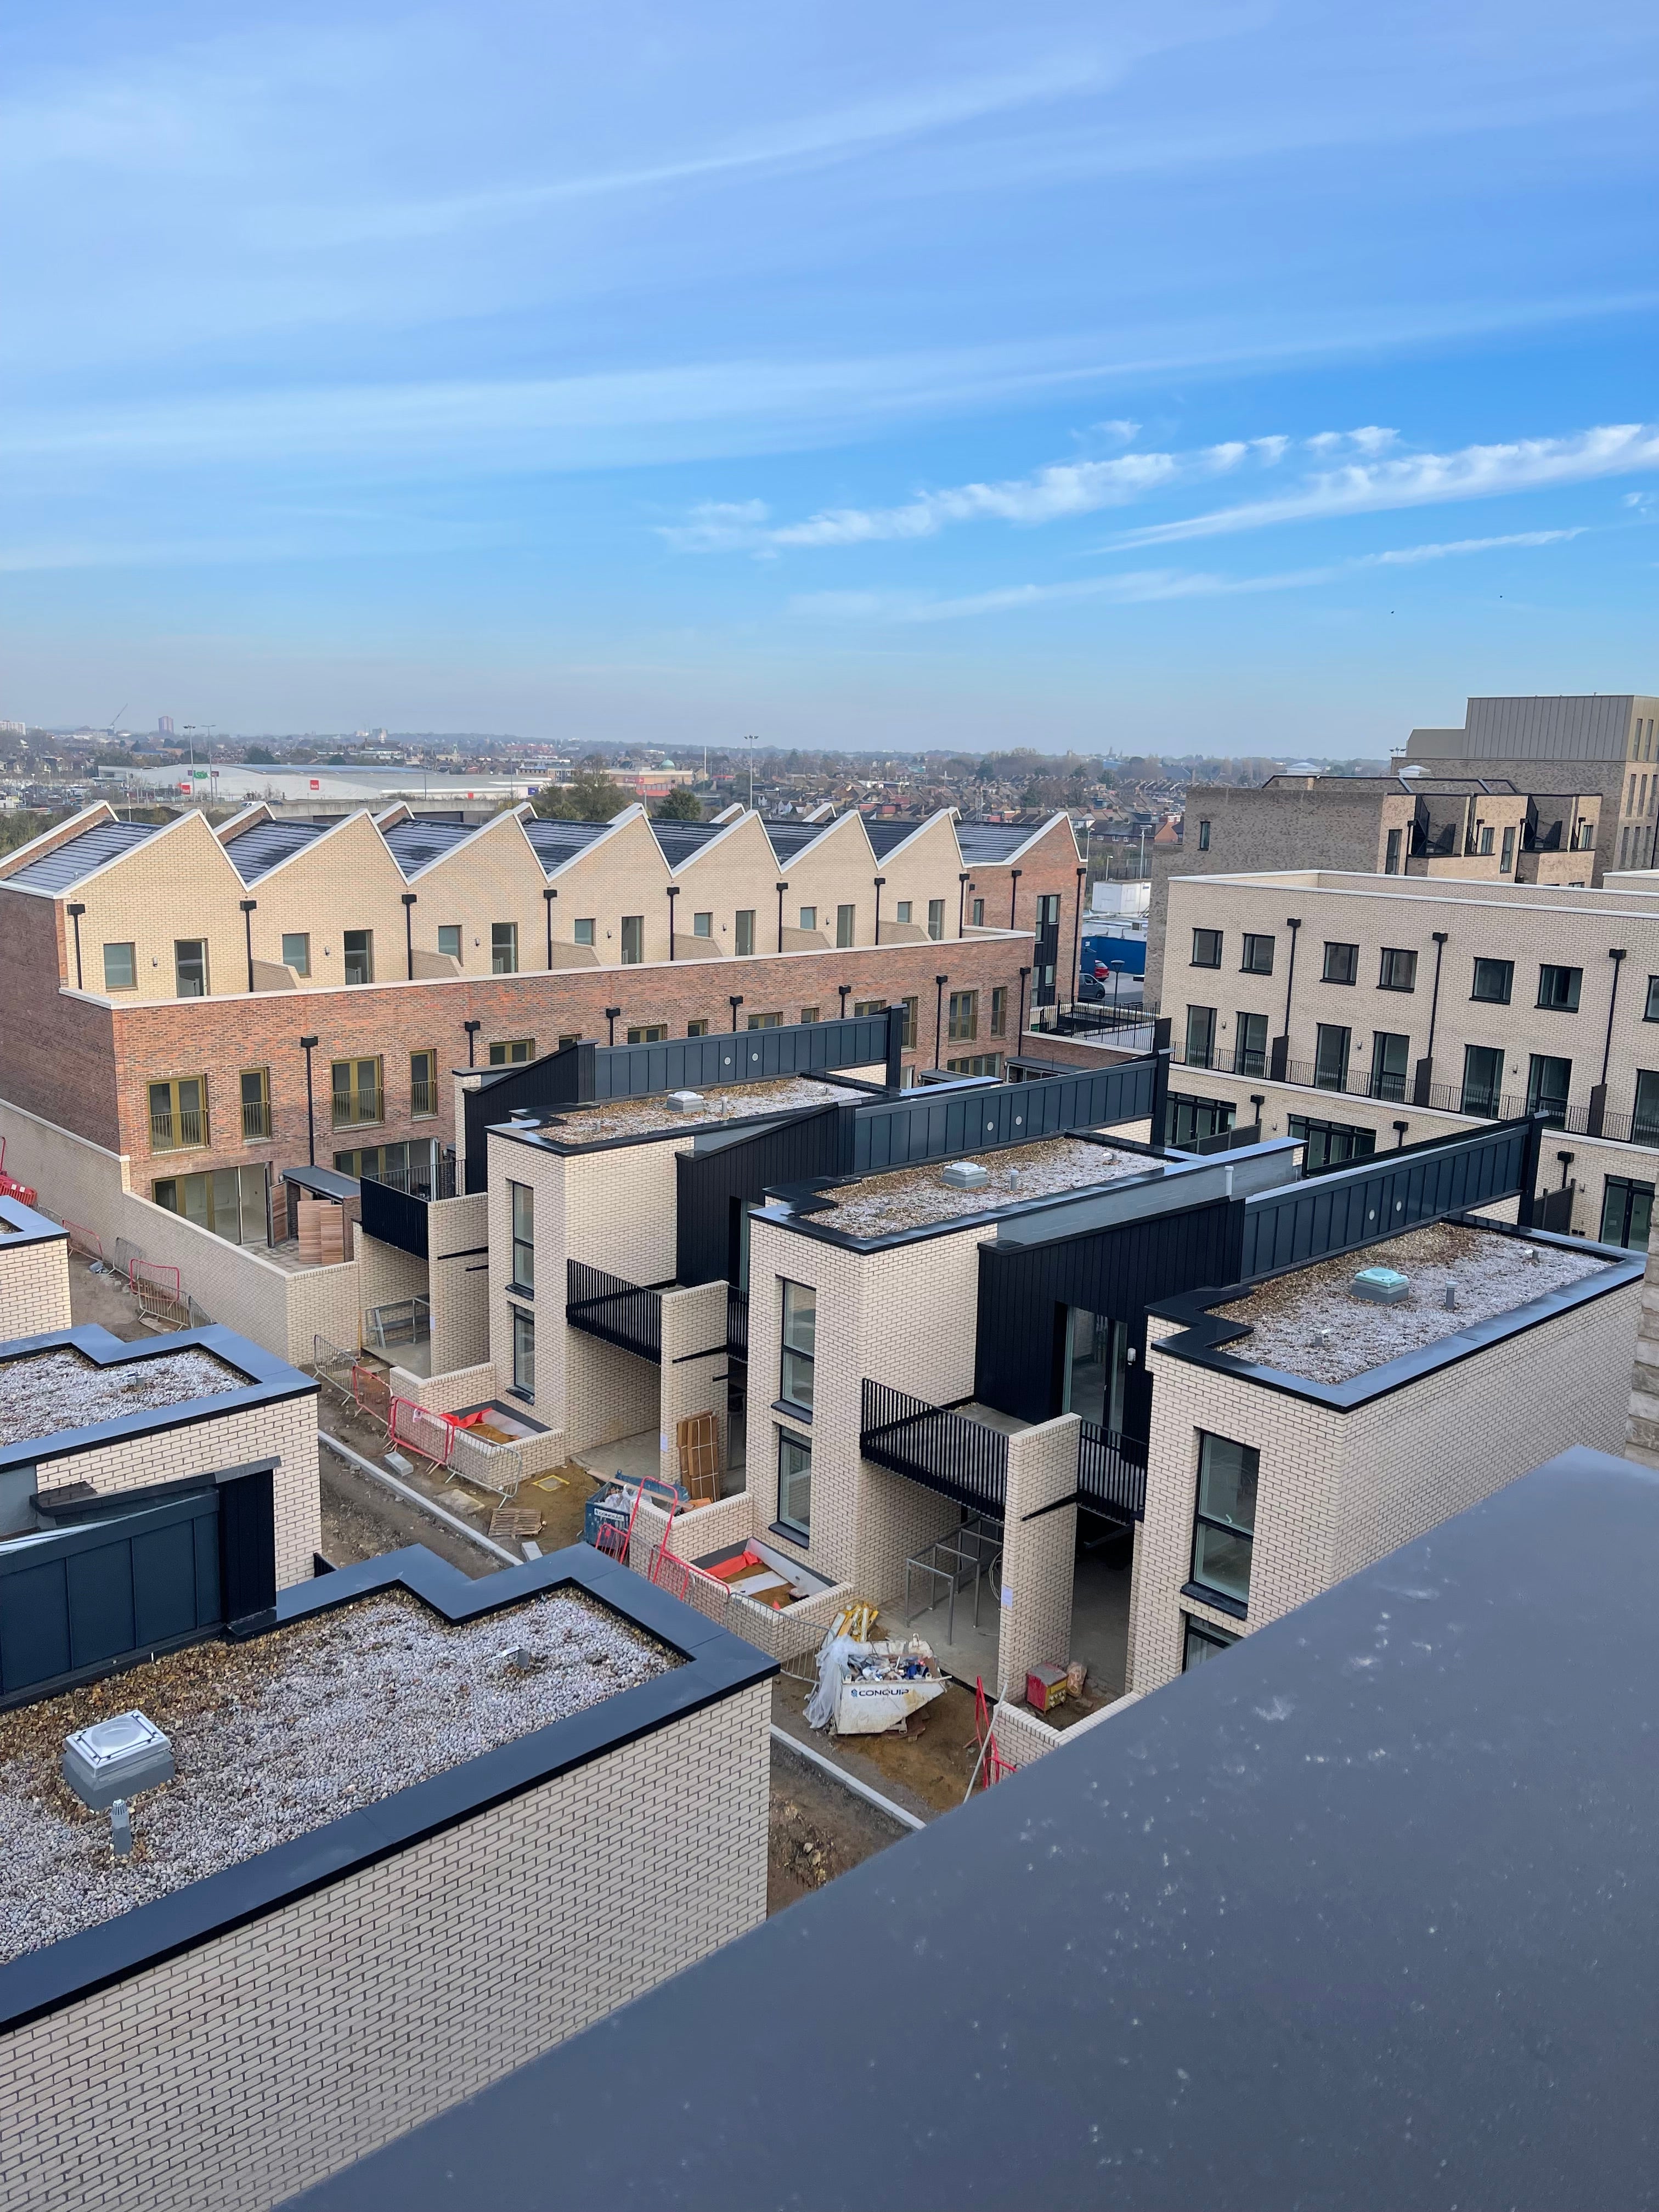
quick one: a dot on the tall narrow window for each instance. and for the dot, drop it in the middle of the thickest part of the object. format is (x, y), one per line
(190, 967)
(795, 1483)
(632, 939)
(1203, 836)
(801, 1322)
(1331, 1057)
(964, 1016)
(912, 1009)
(359, 955)
(976, 914)
(844, 925)
(1506, 863)
(1548, 1082)
(1390, 1058)
(1391, 864)
(1483, 1079)
(1201, 1037)
(1250, 1049)
(524, 1353)
(1645, 1125)
(936, 918)
(504, 948)
(522, 1198)
(1000, 1010)
(255, 1104)
(357, 1092)
(745, 930)
(177, 1114)
(1224, 1530)
(422, 1085)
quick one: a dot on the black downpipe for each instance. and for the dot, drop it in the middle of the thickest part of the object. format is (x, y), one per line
(939, 983)
(1420, 1087)
(896, 1026)
(247, 907)
(409, 898)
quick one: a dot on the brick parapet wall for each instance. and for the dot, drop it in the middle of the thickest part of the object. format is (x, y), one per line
(35, 1286)
(251, 2065)
(1039, 1547)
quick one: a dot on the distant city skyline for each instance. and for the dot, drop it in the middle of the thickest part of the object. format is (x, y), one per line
(1171, 379)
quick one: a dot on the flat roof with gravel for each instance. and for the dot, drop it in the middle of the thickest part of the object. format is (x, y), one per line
(571, 1126)
(919, 1198)
(44, 1392)
(1491, 1273)
(280, 1735)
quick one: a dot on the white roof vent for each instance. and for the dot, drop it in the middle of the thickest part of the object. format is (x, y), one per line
(116, 1758)
(965, 1174)
(686, 1102)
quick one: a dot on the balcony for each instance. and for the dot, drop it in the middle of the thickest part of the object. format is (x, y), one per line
(256, 1121)
(423, 1101)
(1111, 1472)
(935, 1446)
(627, 1314)
(737, 1322)
(353, 1108)
(185, 1131)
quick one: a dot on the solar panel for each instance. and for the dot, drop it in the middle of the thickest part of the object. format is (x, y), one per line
(79, 856)
(258, 850)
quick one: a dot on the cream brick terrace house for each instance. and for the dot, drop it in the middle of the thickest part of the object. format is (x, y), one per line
(411, 1831)
(1358, 1013)
(191, 1018)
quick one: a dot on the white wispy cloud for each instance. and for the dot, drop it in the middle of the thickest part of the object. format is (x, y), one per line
(1143, 587)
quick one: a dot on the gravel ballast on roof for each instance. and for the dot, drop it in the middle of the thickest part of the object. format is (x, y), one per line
(725, 1102)
(1492, 1274)
(915, 1198)
(278, 1736)
(46, 1392)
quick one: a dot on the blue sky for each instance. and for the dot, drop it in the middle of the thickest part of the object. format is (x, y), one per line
(1223, 377)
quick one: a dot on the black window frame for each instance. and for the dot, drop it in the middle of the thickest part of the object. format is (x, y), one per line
(793, 1357)
(1215, 1594)
(1210, 941)
(786, 1524)
(1209, 1058)
(1203, 836)
(1479, 997)
(1552, 1006)
(1195, 1631)
(1335, 945)
(1392, 953)
(523, 1325)
(1652, 1011)
(1248, 964)
(522, 1244)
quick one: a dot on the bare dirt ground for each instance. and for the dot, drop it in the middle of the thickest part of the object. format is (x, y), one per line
(817, 1831)
(104, 1299)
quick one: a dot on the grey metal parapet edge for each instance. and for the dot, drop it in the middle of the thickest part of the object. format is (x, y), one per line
(715, 1665)
(1204, 1332)
(733, 1125)
(270, 1382)
(23, 1225)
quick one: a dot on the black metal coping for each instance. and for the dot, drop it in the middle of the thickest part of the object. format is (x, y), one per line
(570, 1141)
(1349, 1917)
(270, 1381)
(20, 1226)
(1204, 1333)
(715, 1665)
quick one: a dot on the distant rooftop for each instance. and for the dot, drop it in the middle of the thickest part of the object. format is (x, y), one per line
(916, 1198)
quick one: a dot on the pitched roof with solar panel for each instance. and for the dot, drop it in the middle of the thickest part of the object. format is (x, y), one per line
(556, 843)
(267, 844)
(415, 844)
(681, 842)
(77, 857)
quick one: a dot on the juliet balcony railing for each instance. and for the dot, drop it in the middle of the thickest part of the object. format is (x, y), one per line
(933, 1445)
(255, 1120)
(182, 1131)
(737, 1322)
(353, 1108)
(423, 1099)
(627, 1314)
(1111, 1472)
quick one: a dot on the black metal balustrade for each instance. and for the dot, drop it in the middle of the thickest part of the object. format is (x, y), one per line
(621, 1313)
(737, 1322)
(1111, 1472)
(942, 1449)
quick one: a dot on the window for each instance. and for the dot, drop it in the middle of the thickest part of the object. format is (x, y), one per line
(422, 1085)
(1486, 839)
(936, 919)
(912, 1009)
(795, 1483)
(809, 1014)
(697, 1029)
(902, 912)
(1331, 1057)
(1548, 1082)
(1192, 1119)
(1494, 982)
(977, 913)
(844, 925)
(1341, 964)
(869, 1005)
(1206, 948)
(745, 930)
(702, 925)
(1328, 1144)
(1506, 862)
(648, 1033)
(1094, 1368)
(1000, 1010)
(569, 1038)
(504, 948)
(524, 1353)
(1399, 970)
(190, 967)
(1644, 1124)
(177, 1114)
(632, 939)
(357, 1092)
(766, 1021)
(1200, 1642)
(1483, 1079)
(522, 1200)
(1223, 1525)
(296, 951)
(1651, 1012)
(1203, 836)
(1391, 864)
(1250, 1050)
(964, 1017)
(1390, 1058)
(408, 1167)
(120, 968)
(512, 1052)
(227, 1202)
(584, 929)
(800, 1317)
(1626, 1212)
(255, 1086)
(977, 1063)
(449, 939)
(359, 955)
(1558, 989)
(1201, 1037)
(809, 917)
(1258, 956)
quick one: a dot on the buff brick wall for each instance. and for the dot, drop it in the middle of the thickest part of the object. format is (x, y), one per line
(1642, 1424)
(1337, 1491)
(287, 1430)
(1038, 1553)
(35, 1286)
(251, 2066)
(386, 1275)
(458, 1281)
(692, 1375)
